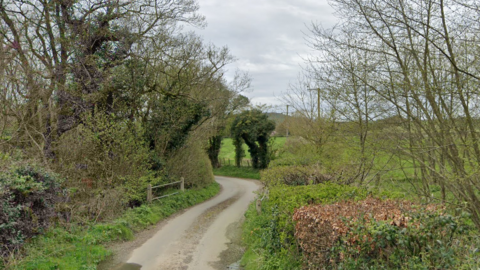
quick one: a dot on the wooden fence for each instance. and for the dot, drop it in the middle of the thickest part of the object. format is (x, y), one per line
(150, 188)
(231, 162)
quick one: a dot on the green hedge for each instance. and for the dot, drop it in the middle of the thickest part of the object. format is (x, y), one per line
(295, 175)
(430, 240)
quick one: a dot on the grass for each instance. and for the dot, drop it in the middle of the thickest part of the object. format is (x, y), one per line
(233, 171)
(410, 189)
(269, 235)
(83, 247)
(227, 151)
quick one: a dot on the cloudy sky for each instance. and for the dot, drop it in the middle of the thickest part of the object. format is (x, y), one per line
(267, 37)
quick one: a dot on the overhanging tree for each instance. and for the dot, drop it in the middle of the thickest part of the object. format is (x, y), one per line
(223, 113)
(254, 128)
(66, 51)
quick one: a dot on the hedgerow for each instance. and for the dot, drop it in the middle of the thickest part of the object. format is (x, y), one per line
(28, 196)
(374, 232)
(295, 175)
(428, 240)
(270, 235)
(339, 228)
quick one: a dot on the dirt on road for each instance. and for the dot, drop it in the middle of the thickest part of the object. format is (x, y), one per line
(204, 237)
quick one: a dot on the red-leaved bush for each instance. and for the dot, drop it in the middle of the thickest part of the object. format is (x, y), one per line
(319, 227)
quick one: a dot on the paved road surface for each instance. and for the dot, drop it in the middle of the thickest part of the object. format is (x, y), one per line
(202, 237)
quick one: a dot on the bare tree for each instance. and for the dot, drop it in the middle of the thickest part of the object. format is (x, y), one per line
(304, 120)
(426, 65)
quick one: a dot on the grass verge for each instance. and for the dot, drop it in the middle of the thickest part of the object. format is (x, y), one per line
(82, 247)
(233, 171)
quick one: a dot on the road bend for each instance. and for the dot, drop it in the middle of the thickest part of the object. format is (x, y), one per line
(201, 237)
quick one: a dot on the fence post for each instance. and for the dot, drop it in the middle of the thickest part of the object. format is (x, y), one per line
(377, 180)
(248, 163)
(182, 184)
(258, 206)
(149, 193)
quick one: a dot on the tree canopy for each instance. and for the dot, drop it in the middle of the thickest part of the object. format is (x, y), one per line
(107, 92)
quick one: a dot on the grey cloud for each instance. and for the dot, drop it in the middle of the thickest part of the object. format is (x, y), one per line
(266, 36)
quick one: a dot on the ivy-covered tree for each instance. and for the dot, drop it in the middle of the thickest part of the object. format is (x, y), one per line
(222, 114)
(254, 128)
(213, 150)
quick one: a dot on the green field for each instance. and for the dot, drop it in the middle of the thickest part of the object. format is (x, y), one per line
(227, 151)
(227, 159)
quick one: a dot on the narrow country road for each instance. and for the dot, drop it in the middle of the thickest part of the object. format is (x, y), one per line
(203, 237)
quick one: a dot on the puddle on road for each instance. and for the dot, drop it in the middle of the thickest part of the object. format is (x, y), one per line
(230, 258)
(127, 266)
(235, 266)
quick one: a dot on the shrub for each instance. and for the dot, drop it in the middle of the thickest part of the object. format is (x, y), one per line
(290, 160)
(192, 163)
(376, 234)
(429, 240)
(270, 235)
(294, 175)
(28, 196)
(106, 166)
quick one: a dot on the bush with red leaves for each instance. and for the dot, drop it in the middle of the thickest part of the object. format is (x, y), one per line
(372, 232)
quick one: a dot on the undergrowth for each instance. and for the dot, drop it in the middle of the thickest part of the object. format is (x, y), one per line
(83, 247)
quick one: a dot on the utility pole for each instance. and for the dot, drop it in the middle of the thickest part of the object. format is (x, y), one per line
(286, 120)
(318, 99)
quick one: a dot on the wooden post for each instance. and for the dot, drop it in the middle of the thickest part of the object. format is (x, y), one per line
(377, 180)
(258, 206)
(149, 193)
(182, 184)
(248, 163)
(228, 162)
